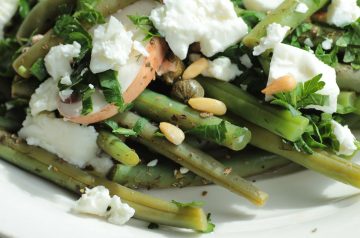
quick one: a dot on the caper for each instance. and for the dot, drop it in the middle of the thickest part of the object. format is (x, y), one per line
(173, 68)
(186, 89)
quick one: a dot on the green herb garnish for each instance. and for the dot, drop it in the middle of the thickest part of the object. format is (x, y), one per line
(145, 24)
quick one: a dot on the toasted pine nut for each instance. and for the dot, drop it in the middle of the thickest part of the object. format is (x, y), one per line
(36, 38)
(281, 85)
(209, 105)
(172, 133)
(195, 68)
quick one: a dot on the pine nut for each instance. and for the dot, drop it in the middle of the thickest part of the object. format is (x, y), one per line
(281, 85)
(172, 133)
(195, 69)
(208, 105)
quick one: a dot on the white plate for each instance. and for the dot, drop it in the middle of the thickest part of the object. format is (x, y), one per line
(303, 204)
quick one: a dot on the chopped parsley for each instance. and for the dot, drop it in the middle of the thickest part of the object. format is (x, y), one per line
(211, 226)
(111, 88)
(145, 24)
(137, 129)
(216, 133)
(24, 8)
(38, 69)
(188, 204)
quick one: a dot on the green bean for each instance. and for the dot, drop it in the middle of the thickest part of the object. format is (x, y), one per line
(285, 15)
(347, 78)
(278, 121)
(161, 108)
(117, 149)
(195, 160)
(346, 102)
(23, 88)
(9, 124)
(42, 17)
(245, 163)
(320, 161)
(48, 166)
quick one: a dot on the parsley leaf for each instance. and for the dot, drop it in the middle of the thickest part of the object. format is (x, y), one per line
(302, 96)
(216, 133)
(139, 126)
(111, 88)
(38, 69)
(328, 58)
(188, 204)
(87, 104)
(211, 226)
(24, 8)
(86, 13)
(145, 24)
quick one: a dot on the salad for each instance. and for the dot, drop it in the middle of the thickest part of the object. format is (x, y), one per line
(107, 97)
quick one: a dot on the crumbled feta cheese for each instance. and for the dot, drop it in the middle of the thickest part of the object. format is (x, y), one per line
(303, 66)
(94, 201)
(184, 170)
(345, 138)
(119, 212)
(152, 163)
(97, 200)
(112, 45)
(246, 61)
(301, 8)
(45, 97)
(214, 24)
(102, 164)
(72, 142)
(65, 94)
(275, 33)
(91, 86)
(59, 58)
(222, 69)
(262, 5)
(7, 11)
(138, 46)
(309, 42)
(327, 44)
(343, 12)
(66, 80)
(83, 71)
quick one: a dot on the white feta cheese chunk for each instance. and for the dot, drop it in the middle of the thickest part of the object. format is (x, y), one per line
(184, 170)
(140, 48)
(275, 33)
(72, 142)
(94, 201)
(246, 61)
(303, 66)
(66, 80)
(7, 11)
(309, 42)
(301, 8)
(102, 164)
(65, 94)
(345, 138)
(222, 69)
(59, 58)
(343, 12)
(152, 163)
(45, 97)
(262, 5)
(212, 23)
(119, 212)
(112, 45)
(327, 44)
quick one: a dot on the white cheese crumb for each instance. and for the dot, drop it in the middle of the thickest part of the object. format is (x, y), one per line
(59, 58)
(327, 44)
(119, 212)
(45, 97)
(152, 163)
(184, 170)
(246, 61)
(222, 68)
(262, 5)
(112, 45)
(94, 201)
(91, 86)
(275, 33)
(343, 12)
(97, 200)
(83, 71)
(72, 142)
(345, 138)
(302, 8)
(65, 94)
(138, 46)
(309, 42)
(214, 24)
(303, 66)
(7, 11)
(66, 80)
